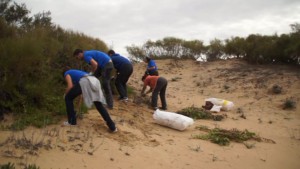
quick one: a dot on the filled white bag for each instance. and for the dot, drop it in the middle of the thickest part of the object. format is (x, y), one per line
(226, 105)
(172, 120)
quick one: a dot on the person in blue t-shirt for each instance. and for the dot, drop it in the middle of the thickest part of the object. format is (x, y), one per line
(151, 67)
(124, 70)
(72, 77)
(101, 66)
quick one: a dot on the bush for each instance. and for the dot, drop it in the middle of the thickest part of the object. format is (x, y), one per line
(289, 104)
(276, 89)
(31, 60)
(7, 166)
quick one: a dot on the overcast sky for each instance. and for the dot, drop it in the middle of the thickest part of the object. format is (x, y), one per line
(121, 23)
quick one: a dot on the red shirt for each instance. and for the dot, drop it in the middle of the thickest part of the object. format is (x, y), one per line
(151, 81)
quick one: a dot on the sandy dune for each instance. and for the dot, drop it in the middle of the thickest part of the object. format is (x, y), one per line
(140, 143)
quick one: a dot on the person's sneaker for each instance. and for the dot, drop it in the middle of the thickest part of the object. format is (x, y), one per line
(114, 131)
(66, 123)
(162, 108)
(125, 99)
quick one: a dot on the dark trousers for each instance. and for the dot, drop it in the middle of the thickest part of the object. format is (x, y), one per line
(122, 77)
(105, 74)
(160, 88)
(69, 98)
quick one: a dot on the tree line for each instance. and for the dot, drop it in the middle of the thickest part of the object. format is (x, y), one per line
(256, 48)
(34, 52)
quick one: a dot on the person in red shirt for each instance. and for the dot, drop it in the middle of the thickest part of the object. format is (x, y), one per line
(158, 85)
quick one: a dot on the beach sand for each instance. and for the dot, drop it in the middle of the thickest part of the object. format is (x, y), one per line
(140, 143)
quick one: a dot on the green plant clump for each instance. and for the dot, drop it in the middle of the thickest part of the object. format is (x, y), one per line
(7, 166)
(223, 137)
(195, 113)
(32, 166)
(289, 104)
(199, 113)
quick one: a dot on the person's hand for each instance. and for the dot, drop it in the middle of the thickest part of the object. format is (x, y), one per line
(64, 95)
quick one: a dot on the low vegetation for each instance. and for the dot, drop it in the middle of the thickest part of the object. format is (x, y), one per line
(289, 104)
(223, 137)
(199, 113)
(12, 166)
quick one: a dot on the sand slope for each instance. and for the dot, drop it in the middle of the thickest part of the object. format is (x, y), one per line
(140, 143)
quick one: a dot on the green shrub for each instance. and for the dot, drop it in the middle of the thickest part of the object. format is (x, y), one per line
(32, 166)
(289, 104)
(7, 166)
(31, 62)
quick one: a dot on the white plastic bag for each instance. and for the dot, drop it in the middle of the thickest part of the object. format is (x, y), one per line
(172, 120)
(226, 105)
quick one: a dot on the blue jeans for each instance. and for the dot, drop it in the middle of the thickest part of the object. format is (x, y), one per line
(69, 98)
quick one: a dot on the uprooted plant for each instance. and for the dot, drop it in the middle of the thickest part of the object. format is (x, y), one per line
(223, 136)
(199, 113)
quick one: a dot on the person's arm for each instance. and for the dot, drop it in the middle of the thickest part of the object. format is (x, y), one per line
(94, 65)
(149, 91)
(143, 90)
(69, 83)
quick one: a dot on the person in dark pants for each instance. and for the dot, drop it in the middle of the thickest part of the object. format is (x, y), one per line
(101, 66)
(124, 70)
(158, 85)
(151, 67)
(74, 89)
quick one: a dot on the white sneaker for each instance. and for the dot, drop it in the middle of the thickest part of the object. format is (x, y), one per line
(66, 123)
(116, 130)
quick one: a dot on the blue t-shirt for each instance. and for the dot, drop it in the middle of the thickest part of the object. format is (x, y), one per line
(76, 75)
(119, 60)
(151, 64)
(100, 57)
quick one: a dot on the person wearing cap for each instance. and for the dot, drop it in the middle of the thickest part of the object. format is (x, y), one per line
(151, 67)
(101, 66)
(124, 70)
(158, 85)
(78, 82)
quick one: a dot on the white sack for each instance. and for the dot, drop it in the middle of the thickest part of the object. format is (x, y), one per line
(172, 120)
(226, 105)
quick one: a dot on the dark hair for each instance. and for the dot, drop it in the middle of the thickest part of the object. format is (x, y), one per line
(111, 52)
(147, 58)
(66, 68)
(77, 51)
(144, 77)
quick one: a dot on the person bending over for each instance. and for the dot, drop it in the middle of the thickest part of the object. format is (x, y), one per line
(78, 82)
(158, 85)
(101, 66)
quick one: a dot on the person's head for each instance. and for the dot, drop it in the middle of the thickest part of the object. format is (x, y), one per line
(144, 77)
(78, 53)
(147, 59)
(66, 68)
(111, 52)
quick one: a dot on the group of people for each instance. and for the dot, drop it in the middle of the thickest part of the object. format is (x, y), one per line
(88, 84)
